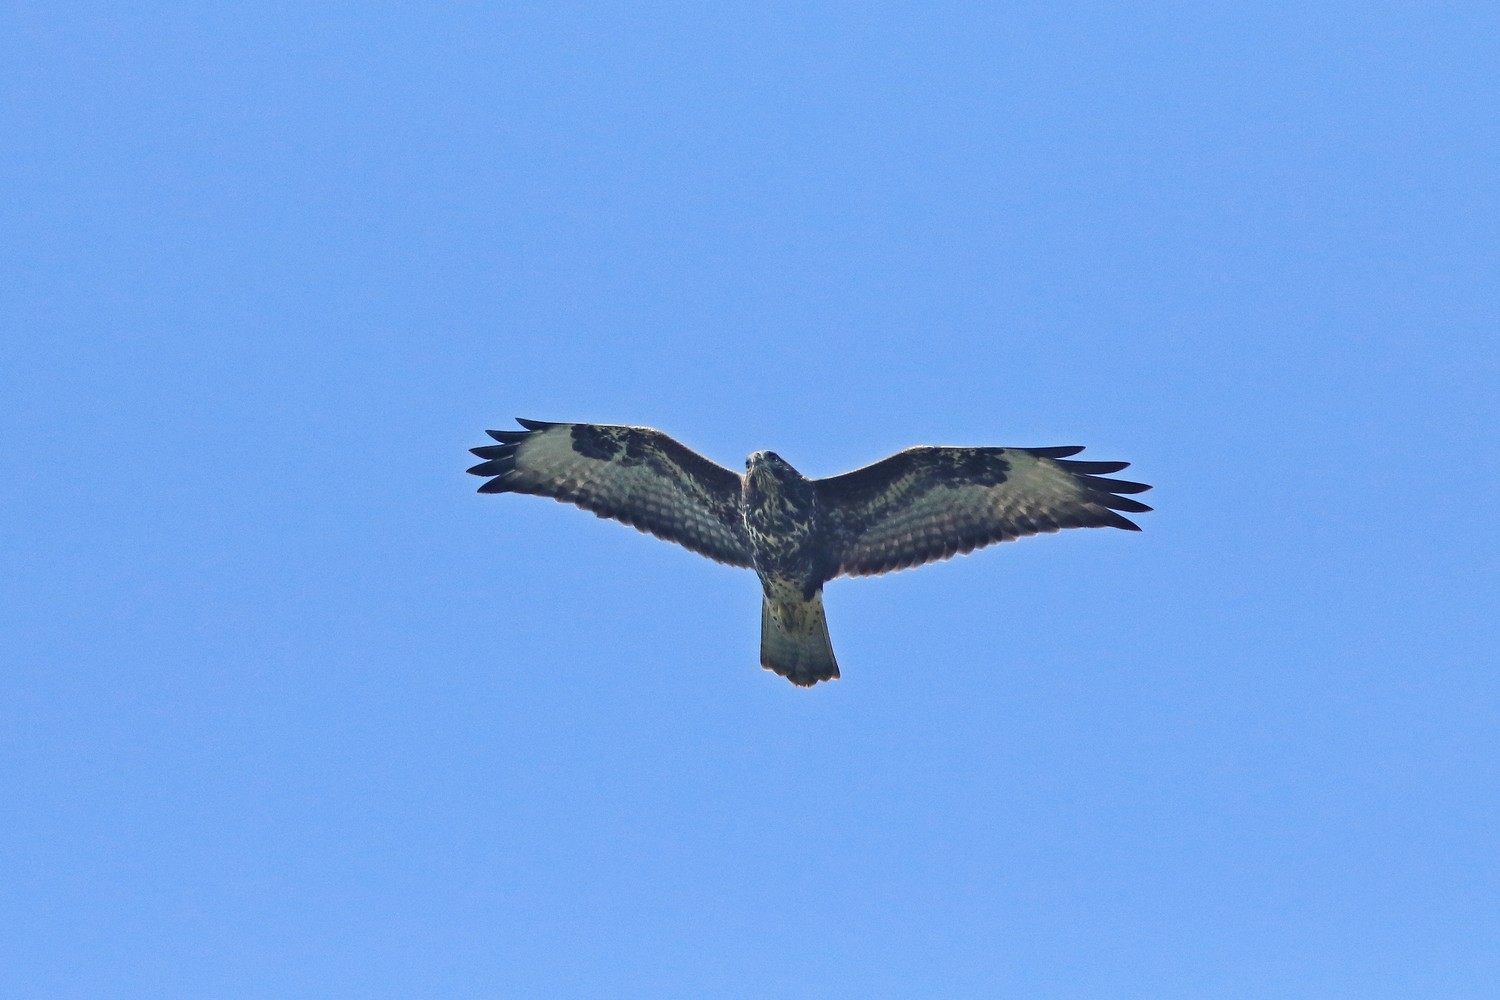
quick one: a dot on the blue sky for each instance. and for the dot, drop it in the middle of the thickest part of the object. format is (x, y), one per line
(289, 710)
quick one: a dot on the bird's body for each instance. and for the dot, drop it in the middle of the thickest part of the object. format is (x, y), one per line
(919, 505)
(780, 508)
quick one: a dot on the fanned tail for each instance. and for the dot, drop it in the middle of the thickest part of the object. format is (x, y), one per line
(794, 641)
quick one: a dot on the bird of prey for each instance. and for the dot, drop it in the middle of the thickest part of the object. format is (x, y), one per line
(917, 506)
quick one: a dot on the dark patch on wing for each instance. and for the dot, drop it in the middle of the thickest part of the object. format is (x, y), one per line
(627, 445)
(634, 475)
(974, 465)
(594, 442)
(925, 504)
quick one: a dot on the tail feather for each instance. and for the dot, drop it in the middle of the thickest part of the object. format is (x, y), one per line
(794, 641)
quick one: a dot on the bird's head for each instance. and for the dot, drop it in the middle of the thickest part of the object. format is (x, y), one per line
(767, 472)
(766, 462)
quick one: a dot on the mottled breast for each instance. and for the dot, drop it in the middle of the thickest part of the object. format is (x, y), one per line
(781, 517)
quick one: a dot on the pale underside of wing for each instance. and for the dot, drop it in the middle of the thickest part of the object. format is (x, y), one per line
(928, 503)
(635, 475)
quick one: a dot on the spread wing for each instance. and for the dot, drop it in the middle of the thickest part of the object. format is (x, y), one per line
(632, 474)
(925, 504)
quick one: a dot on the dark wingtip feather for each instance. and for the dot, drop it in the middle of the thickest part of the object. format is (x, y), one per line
(1114, 520)
(535, 425)
(1113, 485)
(1119, 503)
(494, 467)
(1086, 468)
(1060, 451)
(496, 485)
(501, 458)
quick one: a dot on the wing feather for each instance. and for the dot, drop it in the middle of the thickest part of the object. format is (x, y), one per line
(925, 504)
(635, 475)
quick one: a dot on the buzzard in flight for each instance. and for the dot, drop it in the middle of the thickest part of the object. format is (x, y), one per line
(919, 505)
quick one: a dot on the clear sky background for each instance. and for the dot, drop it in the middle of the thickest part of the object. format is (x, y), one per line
(287, 710)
